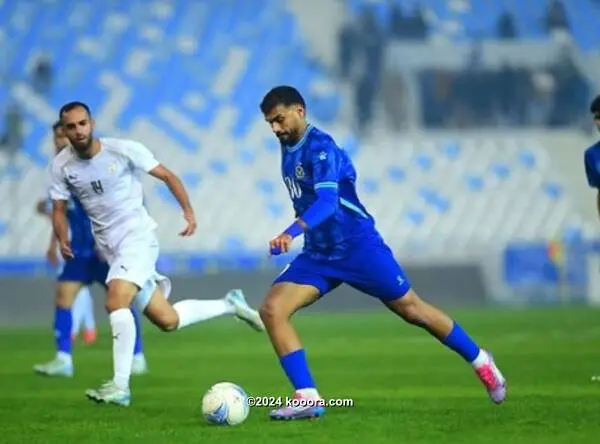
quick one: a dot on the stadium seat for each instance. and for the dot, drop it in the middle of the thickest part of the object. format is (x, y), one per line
(186, 79)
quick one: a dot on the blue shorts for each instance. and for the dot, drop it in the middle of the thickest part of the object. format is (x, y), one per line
(370, 268)
(86, 270)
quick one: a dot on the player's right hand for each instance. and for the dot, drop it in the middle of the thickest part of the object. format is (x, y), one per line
(191, 224)
(65, 251)
(280, 244)
(52, 256)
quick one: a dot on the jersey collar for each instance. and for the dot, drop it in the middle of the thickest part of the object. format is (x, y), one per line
(299, 144)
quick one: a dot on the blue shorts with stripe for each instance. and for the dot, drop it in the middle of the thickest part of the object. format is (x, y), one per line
(370, 268)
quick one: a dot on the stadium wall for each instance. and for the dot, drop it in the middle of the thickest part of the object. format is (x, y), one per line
(29, 301)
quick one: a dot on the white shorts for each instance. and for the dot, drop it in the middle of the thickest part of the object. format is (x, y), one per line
(134, 260)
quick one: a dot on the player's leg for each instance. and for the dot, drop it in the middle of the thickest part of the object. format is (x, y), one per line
(153, 302)
(418, 312)
(66, 291)
(385, 279)
(298, 286)
(120, 294)
(89, 320)
(83, 316)
(77, 315)
(100, 270)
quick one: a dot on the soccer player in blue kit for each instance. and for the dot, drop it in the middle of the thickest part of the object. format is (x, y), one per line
(592, 165)
(341, 245)
(82, 271)
(592, 155)
(83, 306)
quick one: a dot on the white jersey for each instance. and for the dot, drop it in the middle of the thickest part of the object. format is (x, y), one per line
(109, 188)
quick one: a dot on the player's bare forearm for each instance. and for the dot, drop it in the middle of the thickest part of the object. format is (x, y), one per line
(60, 224)
(179, 192)
(175, 186)
(53, 245)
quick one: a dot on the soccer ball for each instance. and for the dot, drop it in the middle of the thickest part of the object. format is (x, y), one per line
(225, 403)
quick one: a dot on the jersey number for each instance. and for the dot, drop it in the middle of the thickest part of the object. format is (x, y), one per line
(293, 187)
(97, 186)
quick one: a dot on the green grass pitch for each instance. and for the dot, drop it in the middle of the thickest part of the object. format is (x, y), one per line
(405, 387)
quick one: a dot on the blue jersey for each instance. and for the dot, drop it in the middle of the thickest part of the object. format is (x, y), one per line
(592, 165)
(317, 162)
(82, 238)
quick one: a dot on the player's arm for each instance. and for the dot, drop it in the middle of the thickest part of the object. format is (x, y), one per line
(326, 167)
(44, 207)
(60, 194)
(593, 176)
(142, 158)
(175, 186)
(178, 191)
(60, 226)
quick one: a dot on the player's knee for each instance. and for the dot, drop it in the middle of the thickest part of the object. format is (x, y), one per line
(65, 295)
(271, 312)
(169, 322)
(120, 294)
(63, 302)
(166, 321)
(409, 307)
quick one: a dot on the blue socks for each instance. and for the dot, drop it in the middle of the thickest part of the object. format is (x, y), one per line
(461, 343)
(63, 323)
(296, 368)
(137, 346)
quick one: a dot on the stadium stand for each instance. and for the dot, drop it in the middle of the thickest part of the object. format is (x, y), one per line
(187, 82)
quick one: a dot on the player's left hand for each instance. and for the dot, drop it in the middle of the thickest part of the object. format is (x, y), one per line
(191, 224)
(65, 251)
(280, 244)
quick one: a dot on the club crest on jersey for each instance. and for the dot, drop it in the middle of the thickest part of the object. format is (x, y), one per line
(322, 155)
(112, 168)
(299, 171)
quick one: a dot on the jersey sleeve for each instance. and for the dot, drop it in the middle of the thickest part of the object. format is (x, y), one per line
(326, 161)
(58, 189)
(140, 156)
(591, 170)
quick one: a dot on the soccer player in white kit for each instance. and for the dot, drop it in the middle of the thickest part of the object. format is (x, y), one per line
(103, 175)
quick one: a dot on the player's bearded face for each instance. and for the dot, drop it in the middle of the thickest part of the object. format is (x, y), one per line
(286, 122)
(78, 128)
(597, 120)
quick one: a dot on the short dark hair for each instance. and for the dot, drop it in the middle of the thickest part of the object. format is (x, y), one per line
(281, 95)
(595, 106)
(71, 106)
(56, 125)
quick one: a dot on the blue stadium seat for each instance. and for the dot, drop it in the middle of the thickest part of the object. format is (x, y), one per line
(161, 73)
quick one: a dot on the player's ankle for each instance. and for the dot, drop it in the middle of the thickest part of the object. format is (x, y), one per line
(480, 360)
(64, 357)
(122, 383)
(309, 393)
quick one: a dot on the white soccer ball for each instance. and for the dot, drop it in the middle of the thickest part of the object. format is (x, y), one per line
(225, 403)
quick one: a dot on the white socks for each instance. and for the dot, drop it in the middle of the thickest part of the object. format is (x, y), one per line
(310, 393)
(480, 360)
(123, 331)
(192, 311)
(65, 357)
